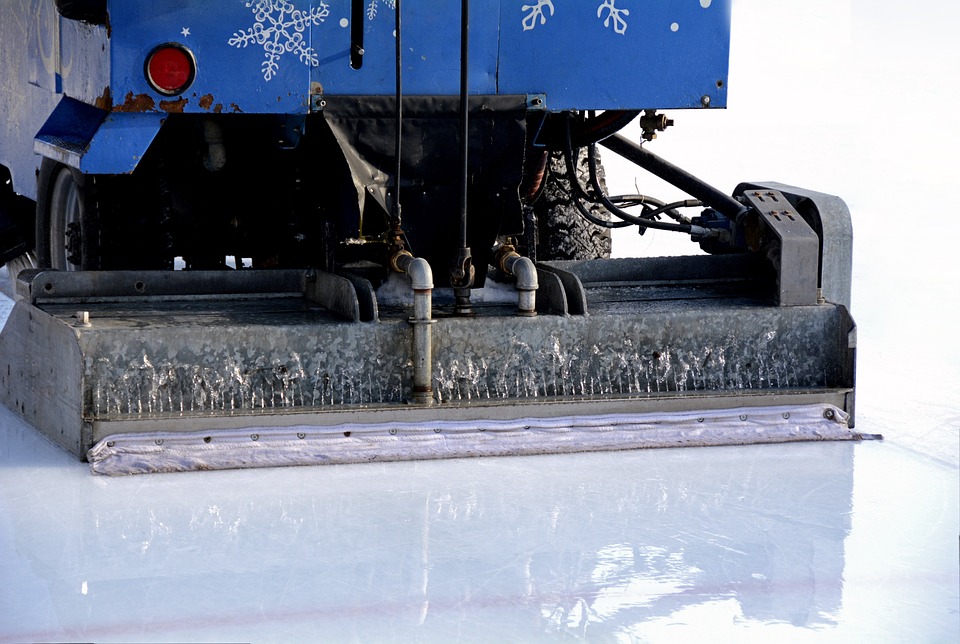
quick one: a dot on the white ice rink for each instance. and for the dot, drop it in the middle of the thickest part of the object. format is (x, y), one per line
(826, 542)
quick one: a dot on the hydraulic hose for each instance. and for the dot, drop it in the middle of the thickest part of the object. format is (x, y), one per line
(678, 177)
(645, 201)
(578, 194)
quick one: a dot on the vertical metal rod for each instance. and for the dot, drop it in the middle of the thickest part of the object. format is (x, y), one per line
(399, 118)
(464, 116)
(356, 34)
(462, 271)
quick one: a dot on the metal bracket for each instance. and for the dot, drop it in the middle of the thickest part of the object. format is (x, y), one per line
(537, 102)
(798, 261)
(351, 298)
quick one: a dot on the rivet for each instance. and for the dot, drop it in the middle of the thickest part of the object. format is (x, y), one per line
(743, 416)
(828, 414)
(110, 443)
(705, 100)
(393, 430)
(255, 437)
(699, 420)
(159, 441)
(301, 435)
(786, 415)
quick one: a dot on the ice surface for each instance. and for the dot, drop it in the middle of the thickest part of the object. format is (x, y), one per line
(813, 542)
(759, 542)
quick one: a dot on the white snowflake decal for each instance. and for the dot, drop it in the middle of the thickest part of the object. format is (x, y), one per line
(615, 16)
(536, 11)
(372, 7)
(278, 29)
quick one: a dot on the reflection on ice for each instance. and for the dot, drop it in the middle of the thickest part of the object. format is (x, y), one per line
(593, 546)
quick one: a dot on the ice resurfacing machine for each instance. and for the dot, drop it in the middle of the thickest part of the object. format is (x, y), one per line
(267, 232)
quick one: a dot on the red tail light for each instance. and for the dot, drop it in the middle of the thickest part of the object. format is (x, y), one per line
(170, 69)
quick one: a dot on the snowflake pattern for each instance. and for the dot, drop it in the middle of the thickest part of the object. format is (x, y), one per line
(535, 11)
(538, 13)
(614, 15)
(279, 29)
(373, 8)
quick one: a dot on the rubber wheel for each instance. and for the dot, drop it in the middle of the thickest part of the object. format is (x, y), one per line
(67, 238)
(563, 233)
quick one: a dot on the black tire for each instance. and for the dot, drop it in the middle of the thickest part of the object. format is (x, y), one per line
(16, 220)
(563, 233)
(67, 227)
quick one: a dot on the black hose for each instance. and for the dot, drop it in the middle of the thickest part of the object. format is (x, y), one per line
(678, 177)
(612, 204)
(671, 208)
(578, 193)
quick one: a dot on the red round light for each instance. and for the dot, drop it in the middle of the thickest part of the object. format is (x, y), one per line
(170, 69)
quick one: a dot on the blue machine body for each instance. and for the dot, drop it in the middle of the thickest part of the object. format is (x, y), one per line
(77, 92)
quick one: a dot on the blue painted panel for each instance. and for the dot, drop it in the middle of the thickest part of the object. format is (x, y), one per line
(95, 141)
(608, 54)
(235, 70)
(67, 133)
(263, 58)
(431, 49)
(269, 56)
(589, 54)
(120, 143)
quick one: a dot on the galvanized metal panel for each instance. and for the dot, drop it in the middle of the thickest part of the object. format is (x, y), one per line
(208, 361)
(43, 379)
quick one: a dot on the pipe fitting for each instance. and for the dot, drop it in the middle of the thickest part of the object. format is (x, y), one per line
(421, 280)
(421, 276)
(525, 271)
(399, 260)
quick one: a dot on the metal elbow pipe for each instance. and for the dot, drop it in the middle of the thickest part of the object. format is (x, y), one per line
(417, 268)
(421, 279)
(526, 273)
